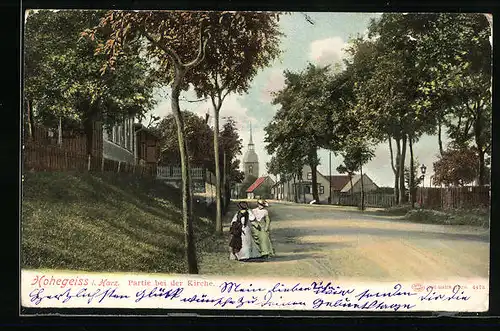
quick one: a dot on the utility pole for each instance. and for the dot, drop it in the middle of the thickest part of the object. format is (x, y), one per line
(330, 177)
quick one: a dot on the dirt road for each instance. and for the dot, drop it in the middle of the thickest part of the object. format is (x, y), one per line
(319, 241)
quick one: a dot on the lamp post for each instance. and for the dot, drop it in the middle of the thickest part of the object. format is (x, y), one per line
(423, 168)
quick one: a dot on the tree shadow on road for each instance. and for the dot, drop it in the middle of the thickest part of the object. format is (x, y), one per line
(290, 235)
(283, 258)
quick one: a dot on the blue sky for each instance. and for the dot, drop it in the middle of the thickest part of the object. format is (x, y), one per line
(321, 43)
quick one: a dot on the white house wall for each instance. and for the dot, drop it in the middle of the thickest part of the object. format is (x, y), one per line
(119, 148)
(281, 191)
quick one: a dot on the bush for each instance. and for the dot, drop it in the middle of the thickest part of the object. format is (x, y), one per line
(461, 217)
(397, 210)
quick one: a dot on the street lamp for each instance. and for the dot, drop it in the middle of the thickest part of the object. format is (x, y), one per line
(423, 168)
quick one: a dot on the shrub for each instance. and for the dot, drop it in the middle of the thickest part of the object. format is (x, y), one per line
(397, 210)
(462, 217)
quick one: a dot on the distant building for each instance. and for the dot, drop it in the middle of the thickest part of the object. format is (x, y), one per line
(251, 160)
(340, 184)
(131, 142)
(253, 190)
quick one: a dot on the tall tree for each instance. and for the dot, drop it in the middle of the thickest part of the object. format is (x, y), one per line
(175, 43)
(454, 54)
(63, 82)
(231, 145)
(198, 135)
(242, 44)
(456, 167)
(356, 153)
(306, 120)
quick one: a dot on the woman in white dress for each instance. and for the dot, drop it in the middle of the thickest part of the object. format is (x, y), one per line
(241, 228)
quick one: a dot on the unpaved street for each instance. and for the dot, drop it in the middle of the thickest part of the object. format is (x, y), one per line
(319, 241)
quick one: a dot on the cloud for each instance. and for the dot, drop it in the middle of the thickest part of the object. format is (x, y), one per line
(274, 83)
(327, 51)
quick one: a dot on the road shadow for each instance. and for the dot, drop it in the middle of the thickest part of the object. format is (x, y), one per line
(290, 234)
(283, 258)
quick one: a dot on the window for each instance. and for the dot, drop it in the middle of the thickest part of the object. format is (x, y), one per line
(307, 189)
(309, 175)
(250, 169)
(321, 189)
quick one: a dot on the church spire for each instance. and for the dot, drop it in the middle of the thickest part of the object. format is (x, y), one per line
(251, 141)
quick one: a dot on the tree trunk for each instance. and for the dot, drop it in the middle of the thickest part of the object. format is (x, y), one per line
(218, 217)
(224, 182)
(362, 188)
(478, 130)
(295, 198)
(402, 189)
(288, 188)
(313, 163)
(440, 139)
(352, 189)
(396, 171)
(303, 191)
(187, 213)
(482, 169)
(88, 128)
(59, 132)
(412, 173)
(30, 120)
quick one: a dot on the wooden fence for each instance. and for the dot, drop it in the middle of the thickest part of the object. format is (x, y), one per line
(39, 157)
(372, 199)
(73, 141)
(453, 197)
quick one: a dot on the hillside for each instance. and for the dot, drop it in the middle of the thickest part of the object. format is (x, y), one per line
(105, 222)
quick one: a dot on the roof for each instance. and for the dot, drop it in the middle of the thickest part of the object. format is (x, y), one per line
(251, 156)
(338, 181)
(356, 179)
(256, 184)
(141, 127)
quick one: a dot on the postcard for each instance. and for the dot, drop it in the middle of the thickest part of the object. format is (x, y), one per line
(252, 160)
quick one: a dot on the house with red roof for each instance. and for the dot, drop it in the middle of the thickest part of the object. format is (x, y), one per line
(258, 188)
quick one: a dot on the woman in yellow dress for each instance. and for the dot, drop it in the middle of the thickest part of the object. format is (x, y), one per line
(261, 227)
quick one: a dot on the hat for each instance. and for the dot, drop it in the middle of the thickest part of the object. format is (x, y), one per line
(262, 203)
(243, 205)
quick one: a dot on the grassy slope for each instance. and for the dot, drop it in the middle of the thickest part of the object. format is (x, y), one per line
(105, 222)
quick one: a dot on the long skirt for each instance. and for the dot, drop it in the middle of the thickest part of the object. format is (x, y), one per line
(263, 241)
(249, 248)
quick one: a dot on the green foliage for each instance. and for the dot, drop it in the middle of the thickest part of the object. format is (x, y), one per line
(231, 143)
(62, 77)
(356, 153)
(198, 136)
(459, 217)
(417, 180)
(241, 44)
(199, 140)
(397, 210)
